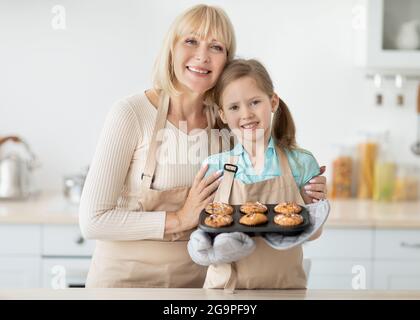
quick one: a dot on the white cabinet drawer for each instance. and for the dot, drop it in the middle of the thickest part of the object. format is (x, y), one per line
(20, 239)
(341, 243)
(397, 244)
(20, 272)
(63, 240)
(343, 274)
(397, 275)
(59, 273)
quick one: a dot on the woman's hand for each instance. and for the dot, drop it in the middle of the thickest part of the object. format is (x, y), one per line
(316, 188)
(201, 194)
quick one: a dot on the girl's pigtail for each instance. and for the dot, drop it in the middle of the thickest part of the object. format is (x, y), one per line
(284, 130)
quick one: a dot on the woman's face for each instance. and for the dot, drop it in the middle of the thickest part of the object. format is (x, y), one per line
(246, 109)
(198, 63)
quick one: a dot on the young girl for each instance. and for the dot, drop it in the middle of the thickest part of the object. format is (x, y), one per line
(270, 169)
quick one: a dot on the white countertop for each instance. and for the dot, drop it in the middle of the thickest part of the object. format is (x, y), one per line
(53, 208)
(201, 294)
(46, 208)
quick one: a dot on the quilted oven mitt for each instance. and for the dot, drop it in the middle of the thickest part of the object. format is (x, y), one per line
(318, 214)
(225, 248)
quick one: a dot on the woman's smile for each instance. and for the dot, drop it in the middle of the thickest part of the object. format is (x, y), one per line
(198, 71)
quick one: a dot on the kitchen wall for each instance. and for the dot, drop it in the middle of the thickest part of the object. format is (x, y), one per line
(57, 85)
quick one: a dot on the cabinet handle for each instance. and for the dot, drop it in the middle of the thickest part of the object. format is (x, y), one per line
(80, 240)
(410, 245)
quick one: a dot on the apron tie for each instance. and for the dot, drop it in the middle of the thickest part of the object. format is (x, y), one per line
(223, 193)
(233, 277)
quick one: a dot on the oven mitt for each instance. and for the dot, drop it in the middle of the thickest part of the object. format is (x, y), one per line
(225, 248)
(318, 214)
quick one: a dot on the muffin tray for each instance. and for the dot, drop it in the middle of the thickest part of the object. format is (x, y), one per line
(269, 226)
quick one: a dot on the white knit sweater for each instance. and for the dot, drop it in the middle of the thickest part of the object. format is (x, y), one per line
(109, 206)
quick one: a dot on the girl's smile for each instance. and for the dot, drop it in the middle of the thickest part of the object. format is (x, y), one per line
(247, 109)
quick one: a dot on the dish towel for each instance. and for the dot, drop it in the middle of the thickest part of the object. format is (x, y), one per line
(230, 247)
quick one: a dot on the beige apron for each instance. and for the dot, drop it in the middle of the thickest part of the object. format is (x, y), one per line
(151, 263)
(265, 268)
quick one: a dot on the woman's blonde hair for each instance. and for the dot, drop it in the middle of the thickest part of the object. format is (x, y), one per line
(203, 21)
(283, 129)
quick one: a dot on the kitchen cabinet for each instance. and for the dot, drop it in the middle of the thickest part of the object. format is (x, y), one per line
(365, 244)
(20, 271)
(64, 272)
(20, 259)
(386, 34)
(66, 256)
(20, 240)
(380, 259)
(341, 274)
(397, 259)
(397, 275)
(33, 256)
(341, 259)
(65, 240)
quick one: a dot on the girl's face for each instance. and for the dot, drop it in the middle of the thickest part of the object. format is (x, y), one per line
(198, 63)
(246, 109)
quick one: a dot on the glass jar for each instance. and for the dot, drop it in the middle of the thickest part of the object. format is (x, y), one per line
(367, 151)
(406, 183)
(342, 168)
(384, 180)
(384, 172)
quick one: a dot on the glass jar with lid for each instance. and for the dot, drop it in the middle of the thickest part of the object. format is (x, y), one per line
(367, 152)
(407, 183)
(384, 170)
(342, 172)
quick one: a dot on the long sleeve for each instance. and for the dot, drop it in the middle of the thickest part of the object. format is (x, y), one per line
(100, 215)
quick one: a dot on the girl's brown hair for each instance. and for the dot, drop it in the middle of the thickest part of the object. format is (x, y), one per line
(283, 128)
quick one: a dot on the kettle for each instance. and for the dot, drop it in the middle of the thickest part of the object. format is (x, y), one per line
(16, 171)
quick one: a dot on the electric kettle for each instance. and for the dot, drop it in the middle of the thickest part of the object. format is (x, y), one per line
(16, 171)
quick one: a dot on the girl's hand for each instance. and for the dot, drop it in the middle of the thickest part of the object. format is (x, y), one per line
(316, 188)
(201, 194)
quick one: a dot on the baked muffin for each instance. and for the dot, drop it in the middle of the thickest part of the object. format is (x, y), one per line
(288, 220)
(253, 207)
(253, 219)
(287, 208)
(219, 208)
(218, 220)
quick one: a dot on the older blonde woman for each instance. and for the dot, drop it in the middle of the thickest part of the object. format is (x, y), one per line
(145, 188)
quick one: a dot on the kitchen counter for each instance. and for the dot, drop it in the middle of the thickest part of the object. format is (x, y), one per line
(46, 208)
(52, 208)
(201, 294)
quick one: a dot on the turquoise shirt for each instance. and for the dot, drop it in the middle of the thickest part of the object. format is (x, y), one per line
(302, 164)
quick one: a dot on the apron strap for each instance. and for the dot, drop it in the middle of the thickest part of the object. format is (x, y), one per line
(283, 162)
(162, 113)
(149, 169)
(287, 172)
(214, 136)
(233, 278)
(225, 187)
